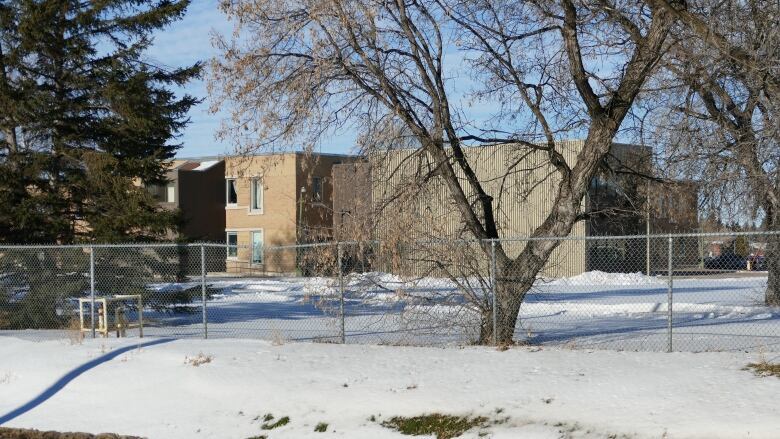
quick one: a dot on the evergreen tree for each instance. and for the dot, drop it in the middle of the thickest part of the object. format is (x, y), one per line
(84, 115)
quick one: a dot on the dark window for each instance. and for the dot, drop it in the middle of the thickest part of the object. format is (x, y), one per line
(231, 196)
(232, 244)
(316, 188)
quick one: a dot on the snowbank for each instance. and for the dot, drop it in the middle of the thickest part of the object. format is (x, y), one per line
(600, 278)
(545, 393)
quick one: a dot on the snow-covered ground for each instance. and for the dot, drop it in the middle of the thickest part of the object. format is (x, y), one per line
(156, 392)
(599, 310)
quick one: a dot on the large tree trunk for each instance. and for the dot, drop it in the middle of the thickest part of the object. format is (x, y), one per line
(515, 277)
(772, 255)
(509, 296)
(772, 293)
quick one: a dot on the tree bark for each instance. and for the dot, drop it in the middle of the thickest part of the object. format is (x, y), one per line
(772, 256)
(736, 118)
(509, 296)
(772, 293)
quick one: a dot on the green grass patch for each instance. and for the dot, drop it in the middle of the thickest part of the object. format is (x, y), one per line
(321, 427)
(765, 369)
(442, 426)
(268, 425)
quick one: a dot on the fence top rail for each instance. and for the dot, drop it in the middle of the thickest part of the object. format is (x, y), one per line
(282, 247)
(430, 241)
(602, 237)
(643, 236)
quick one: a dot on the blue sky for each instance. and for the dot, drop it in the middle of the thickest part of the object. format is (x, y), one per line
(188, 41)
(184, 43)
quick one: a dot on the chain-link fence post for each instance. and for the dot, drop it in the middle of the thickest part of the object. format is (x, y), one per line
(340, 255)
(92, 290)
(669, 296)
(493, 292)
(203, 290)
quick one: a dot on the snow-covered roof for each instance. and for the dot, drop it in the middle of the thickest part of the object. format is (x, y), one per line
(205, 165)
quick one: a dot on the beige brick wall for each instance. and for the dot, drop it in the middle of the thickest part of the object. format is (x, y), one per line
(522, 199)
(277, 220)
(282, 175)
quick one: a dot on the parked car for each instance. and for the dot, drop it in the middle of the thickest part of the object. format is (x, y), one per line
(726, 261)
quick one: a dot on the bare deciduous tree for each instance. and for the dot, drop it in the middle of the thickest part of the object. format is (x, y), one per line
(718, 26)
(298, 70)
(725, 121)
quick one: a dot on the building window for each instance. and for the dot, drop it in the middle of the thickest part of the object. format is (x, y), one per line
(316, 189)
(257, 247)
(157, 192)
(257, 195)
(231, 196)
(232, 244)
(170, 193)
(154, 191)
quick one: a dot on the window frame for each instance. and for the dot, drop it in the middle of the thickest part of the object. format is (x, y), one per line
(228, 180)
(170, 192)
(256, 183)
(228, 246)
(156, 191)
(317, 196)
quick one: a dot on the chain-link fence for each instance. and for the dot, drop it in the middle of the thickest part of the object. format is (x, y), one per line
(694, 292)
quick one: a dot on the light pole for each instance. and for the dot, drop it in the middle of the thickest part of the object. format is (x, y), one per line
(300, 214)
(647, 229)
(299, 240)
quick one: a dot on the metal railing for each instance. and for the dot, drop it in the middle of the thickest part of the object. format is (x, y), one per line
(686, 292)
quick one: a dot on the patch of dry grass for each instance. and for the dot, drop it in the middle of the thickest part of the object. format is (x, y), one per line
(16, 433)
(198, 360)
(75, 335)
(764, 368)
